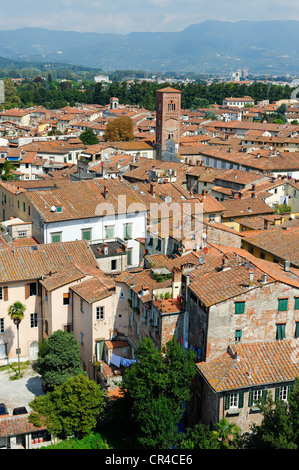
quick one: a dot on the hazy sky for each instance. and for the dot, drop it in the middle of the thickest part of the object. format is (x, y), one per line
(124, 16)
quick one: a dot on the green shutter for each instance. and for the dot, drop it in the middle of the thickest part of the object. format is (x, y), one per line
(264, 396)
(86, 235)
(109, 232)
(297, 330)
(282, 305)
(250, 399)
(296, 303)
(56, 238)
(277, 390)
(238, 334)
(280, 333)
(226, 402)
(241, 400)
(127, 232)
(239, 307)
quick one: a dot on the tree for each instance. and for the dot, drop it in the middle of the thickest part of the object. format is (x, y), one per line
(58, 358)
(11, 97)
(71, 409)
(17, 312)
(88, 137)
(8, 174)
(155, 388)
(277, 428)
(223, 436)
(119, 130)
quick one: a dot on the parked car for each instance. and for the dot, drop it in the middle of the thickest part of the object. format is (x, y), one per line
(21, 410)
(3, 410)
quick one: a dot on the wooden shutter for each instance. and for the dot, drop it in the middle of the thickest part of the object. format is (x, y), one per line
(5, 293)
(264, 396)
(27, 291)
(239, 307)
(226, 402)
(250, 399)
(277, 390)
(241, 400)
(39, 287)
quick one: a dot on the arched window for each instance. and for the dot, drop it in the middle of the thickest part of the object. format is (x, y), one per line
(171, 106)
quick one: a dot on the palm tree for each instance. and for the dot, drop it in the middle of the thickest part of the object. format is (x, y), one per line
(16, 312)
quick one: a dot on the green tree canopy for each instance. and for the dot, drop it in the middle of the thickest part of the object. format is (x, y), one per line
(71, 409)
(58, 358)
(88, 137)
(154, 390)
(280, 425)
(119, 130)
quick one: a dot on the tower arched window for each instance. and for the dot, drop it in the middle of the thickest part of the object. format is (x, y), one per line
(171, 106)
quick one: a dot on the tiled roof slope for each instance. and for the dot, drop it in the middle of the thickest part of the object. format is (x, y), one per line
(283, 243)
(17, 425)
(251, 364)
(33, 262)
(81, 199)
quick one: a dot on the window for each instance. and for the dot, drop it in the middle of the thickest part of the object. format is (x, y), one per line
(127, 231)
(234, 400)
(1, 325)
(296, 303)
(150, 242)
(109, 231)
(239, 307)
(81, 306)
(297, 329)
(33, 320)
(283, 393)
(113, 264)
(171, 106)
(280, 331)
(86, 234)
(82, 339)
(100, 313)
(282, 305)
(24, 206)
(22, 233)
(29, 210)
(1, 293)
(32, 288)
(238, 335)
(56, 237)
(66, 299)
(129, 257)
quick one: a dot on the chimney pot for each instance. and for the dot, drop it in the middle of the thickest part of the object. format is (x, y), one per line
(287, 265)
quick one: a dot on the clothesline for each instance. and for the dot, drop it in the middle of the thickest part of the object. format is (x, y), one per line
(121, 361)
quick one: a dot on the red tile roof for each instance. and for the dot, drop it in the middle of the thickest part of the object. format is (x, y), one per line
(252, 364)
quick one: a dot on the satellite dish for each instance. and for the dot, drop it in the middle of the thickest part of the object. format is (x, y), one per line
(53, 208)
(201, 260)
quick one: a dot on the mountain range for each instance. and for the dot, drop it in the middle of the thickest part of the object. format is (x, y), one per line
(208, 47)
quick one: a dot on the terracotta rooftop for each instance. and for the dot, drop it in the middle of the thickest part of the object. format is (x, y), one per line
(33, 262)
(16, 425)
(252, 364)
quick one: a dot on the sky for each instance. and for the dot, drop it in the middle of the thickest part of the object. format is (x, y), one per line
(125, 16)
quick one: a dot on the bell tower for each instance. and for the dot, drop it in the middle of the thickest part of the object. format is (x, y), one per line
(168, 117)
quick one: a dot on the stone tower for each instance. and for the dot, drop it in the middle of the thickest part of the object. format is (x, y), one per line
(168, 116)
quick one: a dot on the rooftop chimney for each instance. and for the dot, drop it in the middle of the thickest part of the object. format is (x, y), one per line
(264, 278)
(152, 190)
(287, 266)
(251, 278)
(105, 192)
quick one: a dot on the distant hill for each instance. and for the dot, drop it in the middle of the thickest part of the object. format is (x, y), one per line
(212, 46)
